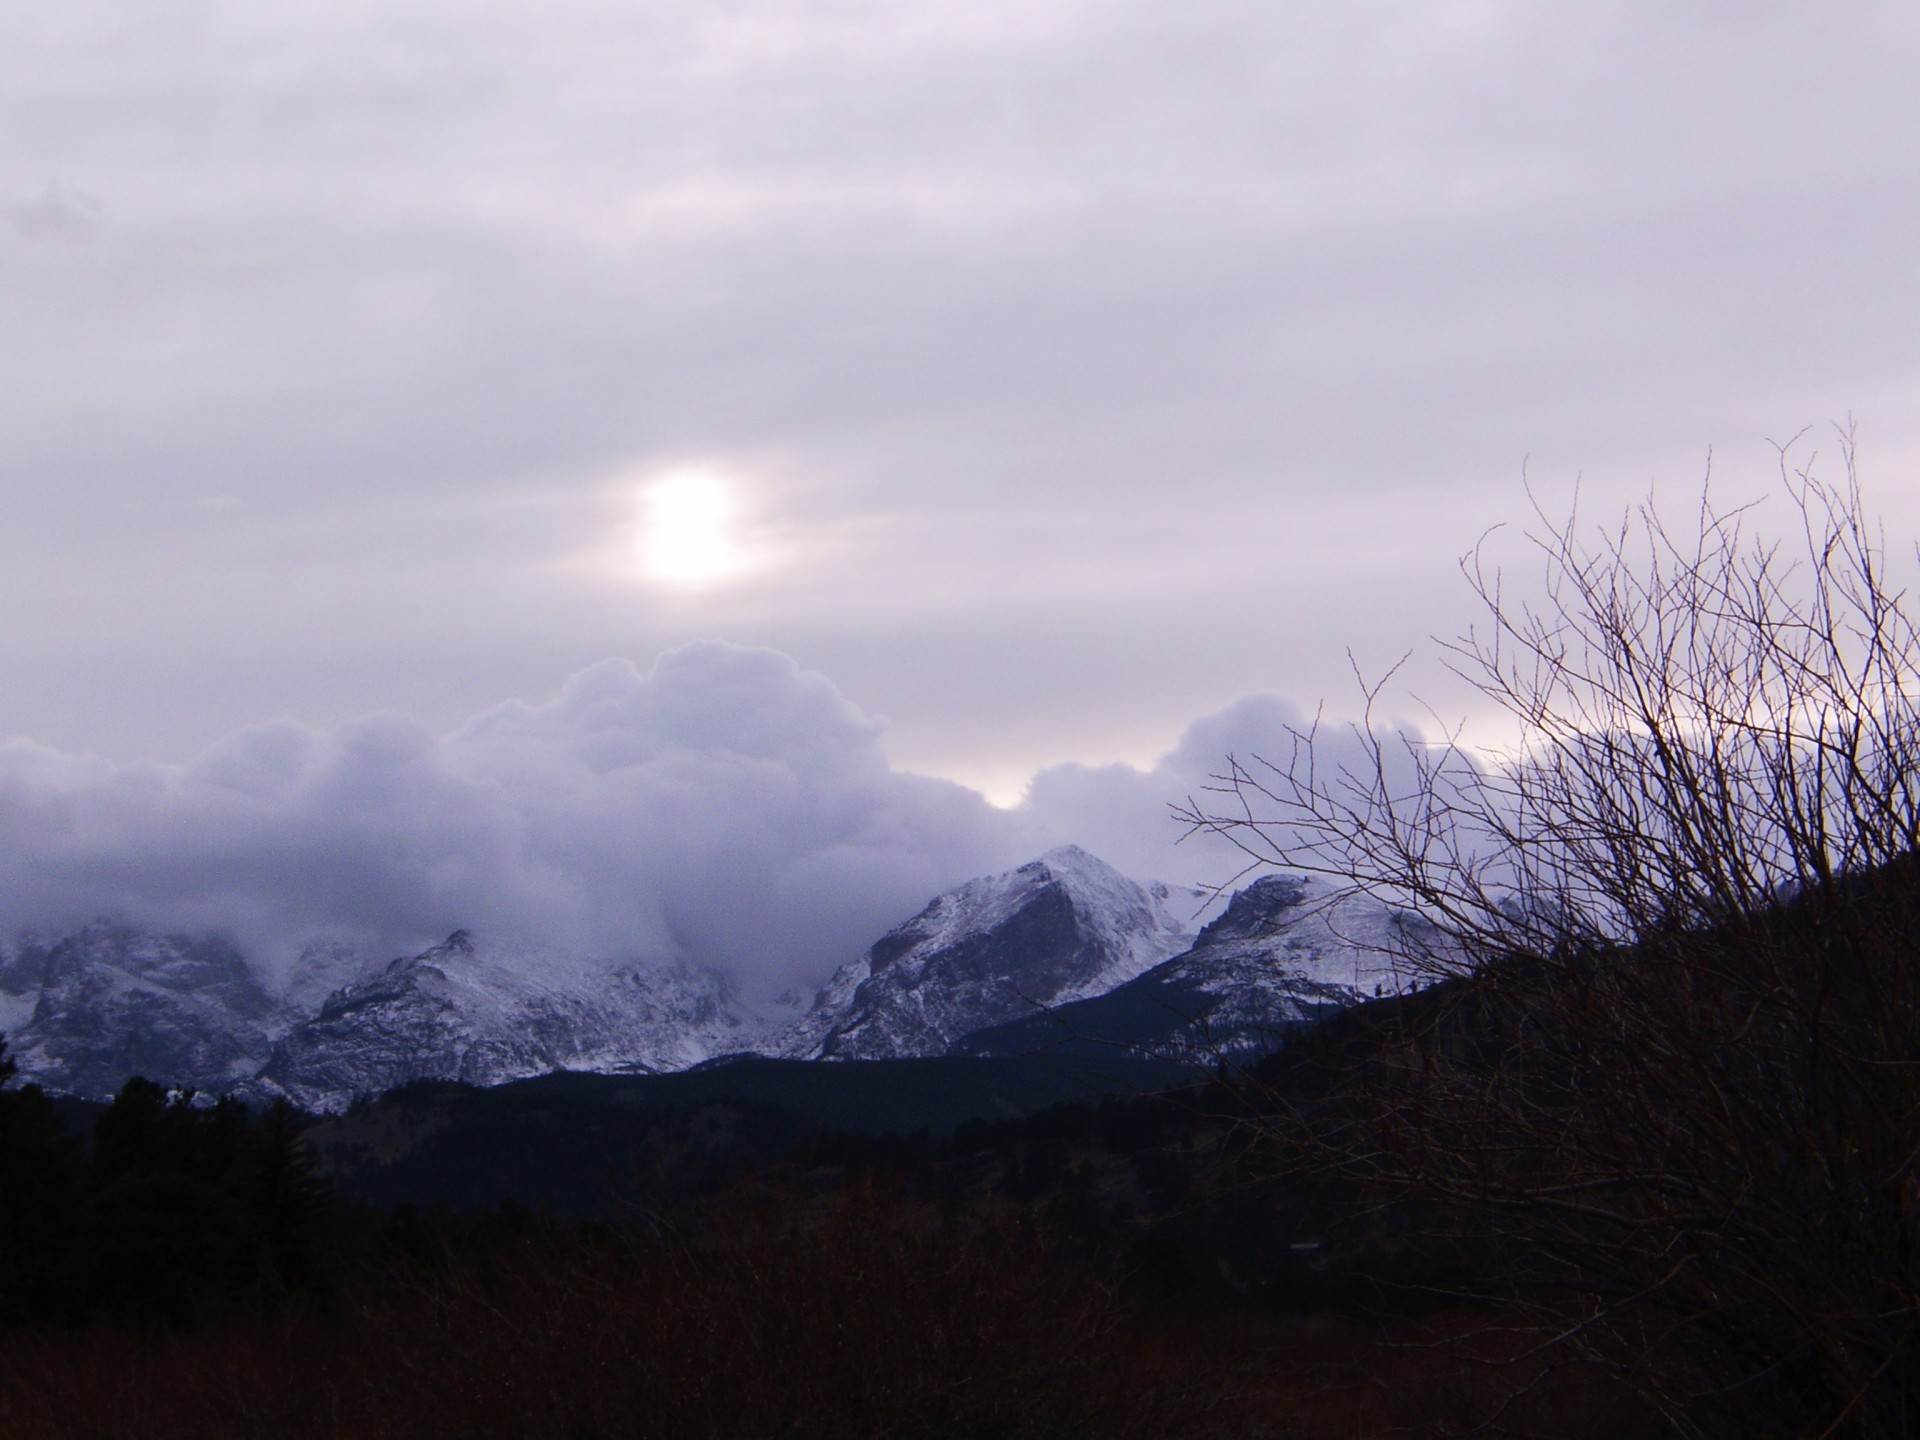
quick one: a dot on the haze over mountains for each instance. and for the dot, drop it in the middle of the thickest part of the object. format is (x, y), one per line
(725, 809)
(1062, 950)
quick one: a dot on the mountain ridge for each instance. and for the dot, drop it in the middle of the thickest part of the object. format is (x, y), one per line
(1059, 928)
(1020, 961)
(1287, 949)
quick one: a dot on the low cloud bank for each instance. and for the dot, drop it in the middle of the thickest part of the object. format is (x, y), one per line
(725, 808)
(1130, 810)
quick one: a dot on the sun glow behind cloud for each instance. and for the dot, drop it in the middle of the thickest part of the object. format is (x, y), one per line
(689, 528)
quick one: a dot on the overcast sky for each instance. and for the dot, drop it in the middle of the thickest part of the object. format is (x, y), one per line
(1047, 376)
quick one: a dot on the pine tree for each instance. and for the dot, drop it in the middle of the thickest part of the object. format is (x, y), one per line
(40, 1186)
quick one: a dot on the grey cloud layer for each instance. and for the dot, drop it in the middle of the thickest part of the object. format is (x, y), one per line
(1091, 364)
(725, 808)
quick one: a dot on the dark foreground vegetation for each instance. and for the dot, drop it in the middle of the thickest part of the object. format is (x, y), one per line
(1114, 1269)
(1674, 1082)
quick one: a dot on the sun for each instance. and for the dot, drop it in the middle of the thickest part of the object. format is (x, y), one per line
(687, 532)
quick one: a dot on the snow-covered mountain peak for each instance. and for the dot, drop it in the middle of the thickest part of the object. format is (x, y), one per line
(1306, 929)
(1263, 906)
(1138, 924)
(450, 961)
(456, 946)
(84, 1010)
(323, 966)
(469, 1009)
(1058, 928)
(110, 1001)
(1287, 948)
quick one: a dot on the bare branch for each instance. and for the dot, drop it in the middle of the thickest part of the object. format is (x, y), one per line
(1676, 1065)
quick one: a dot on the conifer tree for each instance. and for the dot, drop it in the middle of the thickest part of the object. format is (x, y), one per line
(40, 1186)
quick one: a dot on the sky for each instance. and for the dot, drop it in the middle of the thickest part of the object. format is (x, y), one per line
(1050, 390)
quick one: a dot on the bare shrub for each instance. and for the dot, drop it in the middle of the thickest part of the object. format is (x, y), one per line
(1673, 1074)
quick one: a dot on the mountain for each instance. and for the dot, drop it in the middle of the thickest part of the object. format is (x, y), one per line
(87, 1011)
(1288, 949)
(484, 1016)
(84, 1012)
(324, 966)
(1056, 930)
(1061, 953)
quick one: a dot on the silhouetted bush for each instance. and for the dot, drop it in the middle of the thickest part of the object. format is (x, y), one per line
(1663, 1088)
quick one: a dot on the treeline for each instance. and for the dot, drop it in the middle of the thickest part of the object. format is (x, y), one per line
(171, 1210)
(177, 1209)
(1127, 1267)
(188, 1274)
(1182, 1194)
(1177, 1191)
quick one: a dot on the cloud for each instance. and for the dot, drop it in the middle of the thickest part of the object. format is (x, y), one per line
(1093, 365)
(726, 808)
(57, 213)
(1128, 813)
(1131, 808)
(1058, 326)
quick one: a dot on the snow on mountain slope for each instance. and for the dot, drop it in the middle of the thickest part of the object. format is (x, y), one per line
(23, 970)
(91, 1009)
(1059, 950)
(1288, 947)
(1055, 930)
(323, 967)
(463, 1012)
(84, 1012)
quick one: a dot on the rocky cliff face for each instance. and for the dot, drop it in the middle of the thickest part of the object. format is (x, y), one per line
(93, 1008)
(1063, 950)
(1287, 948)
(84, 1012)
(460, 1012)
(1055, 930)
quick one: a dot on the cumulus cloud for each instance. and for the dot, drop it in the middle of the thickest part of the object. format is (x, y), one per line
(57, 213)
(1130, 808)
(726, 808)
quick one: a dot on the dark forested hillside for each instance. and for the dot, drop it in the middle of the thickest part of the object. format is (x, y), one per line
(1119, 1265)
